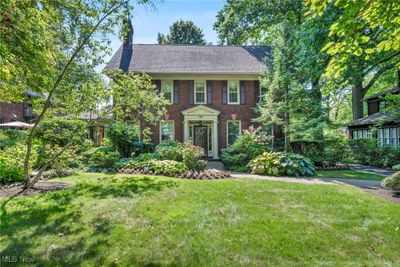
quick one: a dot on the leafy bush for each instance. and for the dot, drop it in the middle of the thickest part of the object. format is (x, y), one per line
(11, 137)
(162, 167)
(124, 137)
(186, 152)
(363, 151)
(392, 182)
(246, 147)
(396, 167)
(171, 150)
(10, 172)
(62, 131)
(277, 163)
(12, 162)
(101, 157)
(191, 156)
(62, 163)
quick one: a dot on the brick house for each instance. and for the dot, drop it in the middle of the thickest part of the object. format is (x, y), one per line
(213, 90)
(18, 111)
(378, 123)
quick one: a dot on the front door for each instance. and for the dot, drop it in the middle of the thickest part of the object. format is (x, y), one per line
(200, 137)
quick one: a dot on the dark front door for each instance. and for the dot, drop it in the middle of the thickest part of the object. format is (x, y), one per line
(200, 137)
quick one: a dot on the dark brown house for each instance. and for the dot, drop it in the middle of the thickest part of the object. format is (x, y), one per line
(213, 90)
(384, 126)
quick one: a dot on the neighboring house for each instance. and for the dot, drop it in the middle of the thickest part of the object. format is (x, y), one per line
(18, 111)
(213, 90)
(384, 126)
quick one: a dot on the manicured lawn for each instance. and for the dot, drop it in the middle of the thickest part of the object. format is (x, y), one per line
(349, 174)
(139, 220)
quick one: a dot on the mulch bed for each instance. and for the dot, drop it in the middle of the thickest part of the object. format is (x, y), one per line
(39, 188)
(386, 194)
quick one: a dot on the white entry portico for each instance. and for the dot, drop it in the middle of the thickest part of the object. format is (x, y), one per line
(202, 119)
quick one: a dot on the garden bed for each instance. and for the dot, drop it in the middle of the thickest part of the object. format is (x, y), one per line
(37, 189)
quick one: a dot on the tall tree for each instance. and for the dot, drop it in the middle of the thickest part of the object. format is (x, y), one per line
(365, 44)
(254, 21)
(52, 47)
(183, 32)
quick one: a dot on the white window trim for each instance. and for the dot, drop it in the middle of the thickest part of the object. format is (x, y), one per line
(173, 130)
(205, 92)
(227, 133)
(238, 92)
(172, 89)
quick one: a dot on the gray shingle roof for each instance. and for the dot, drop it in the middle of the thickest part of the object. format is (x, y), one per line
(190, 59)
(377, 118)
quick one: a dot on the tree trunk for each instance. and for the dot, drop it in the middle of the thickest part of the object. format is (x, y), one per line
(286, 118)
(357, 103)
(317, 95)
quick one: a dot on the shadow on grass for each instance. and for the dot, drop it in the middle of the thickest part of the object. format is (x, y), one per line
(57, 217)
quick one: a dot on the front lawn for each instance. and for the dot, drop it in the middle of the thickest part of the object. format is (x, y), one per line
(141, 220)
(349, 174)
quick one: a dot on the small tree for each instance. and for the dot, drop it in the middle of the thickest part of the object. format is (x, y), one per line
(183, 32)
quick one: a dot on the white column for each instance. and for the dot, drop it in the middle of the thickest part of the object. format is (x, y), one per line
(185, 130)
(215, 139)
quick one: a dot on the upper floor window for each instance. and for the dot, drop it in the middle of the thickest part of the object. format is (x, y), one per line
(233, 131)
(167, 131)
(167, 90)
(233, 92)
(200, 92)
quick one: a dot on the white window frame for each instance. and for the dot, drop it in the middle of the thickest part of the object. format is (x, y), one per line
(238, 93)
(205, 92)
(171, 100)
(386, 136)
(380, 136)
(393, 138)
(173, 129)
(227, 130)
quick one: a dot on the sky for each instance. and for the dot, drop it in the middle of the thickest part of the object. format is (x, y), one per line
(147, 22)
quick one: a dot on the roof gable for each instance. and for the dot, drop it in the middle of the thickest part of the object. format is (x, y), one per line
(191, 59)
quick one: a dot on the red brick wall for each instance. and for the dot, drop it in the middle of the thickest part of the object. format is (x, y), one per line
(244, 112)
(7, 109)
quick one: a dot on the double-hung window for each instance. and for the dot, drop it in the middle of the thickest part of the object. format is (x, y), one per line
(200, 92)
(393, 136)
(380, 137)
(233, 131)
(167, 131)
(386, 136)
(166, 89)
(233, 92)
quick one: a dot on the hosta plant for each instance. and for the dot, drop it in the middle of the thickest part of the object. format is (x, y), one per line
(161, 167)
(279, 163)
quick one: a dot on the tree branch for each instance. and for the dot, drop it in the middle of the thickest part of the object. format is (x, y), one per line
(380, 62)
(377, 75)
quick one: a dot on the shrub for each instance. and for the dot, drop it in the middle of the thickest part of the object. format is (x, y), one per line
(191, 156)
(11, 137)
(187, 153)
(62, 163)
(277, 163)
(162, 167)
(10, 172)
(206, 174)
(101, 157)
(124, 138)
(170, 150)
(396, 167)
(246, 147)
(12, 162)
(62, 131)
(392, 182)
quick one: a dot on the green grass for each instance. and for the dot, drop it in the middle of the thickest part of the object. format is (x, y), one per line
(349, 174)
(137, 220)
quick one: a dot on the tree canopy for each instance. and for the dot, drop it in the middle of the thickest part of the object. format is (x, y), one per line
(183, 32)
